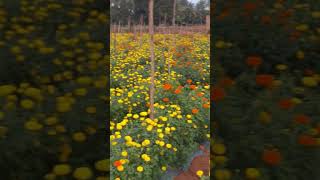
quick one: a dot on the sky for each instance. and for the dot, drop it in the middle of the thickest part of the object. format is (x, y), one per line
(193, 1)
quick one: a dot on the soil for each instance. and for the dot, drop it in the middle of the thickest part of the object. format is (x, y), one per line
(200, 162)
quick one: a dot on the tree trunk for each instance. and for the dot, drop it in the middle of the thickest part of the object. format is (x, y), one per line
(129, 24)
(174, 13)
(151, 33)
(135, 33)
(141, 25)
(165, 19)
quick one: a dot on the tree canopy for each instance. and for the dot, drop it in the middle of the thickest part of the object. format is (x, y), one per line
(186, 12)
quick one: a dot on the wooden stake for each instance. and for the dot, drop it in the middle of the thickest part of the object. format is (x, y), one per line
(151, 34)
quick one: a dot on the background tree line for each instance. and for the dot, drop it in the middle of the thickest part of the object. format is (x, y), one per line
(130, 11)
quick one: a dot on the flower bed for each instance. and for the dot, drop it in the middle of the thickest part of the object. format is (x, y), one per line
(266, 90)
(145, 148)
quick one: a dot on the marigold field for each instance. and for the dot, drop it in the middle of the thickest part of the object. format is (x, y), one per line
(266, 90)
(142, 148)
(52, 90)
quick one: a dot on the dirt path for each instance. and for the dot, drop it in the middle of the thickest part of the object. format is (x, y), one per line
(200, 162)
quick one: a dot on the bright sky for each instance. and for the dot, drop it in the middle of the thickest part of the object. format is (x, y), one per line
(193, 1)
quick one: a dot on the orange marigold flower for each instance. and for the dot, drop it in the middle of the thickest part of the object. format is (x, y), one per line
(165, 99)
(199, 94)
(204, 99)
(226, 82)
(193, 87)
(264, 80)
(217, 94)
(308, 72)
(195, 111)
(117, 163)
(167, 86)
(177, 91)
(250, 6)
(302, 119)
(286, 103)
(207, 105)
(254, 61)
(271, 157)
(189, 81)
(265, 19)
(307, 140)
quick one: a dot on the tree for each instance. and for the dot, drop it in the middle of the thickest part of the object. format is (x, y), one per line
(186, 12)
(151, 33)
(202, 9)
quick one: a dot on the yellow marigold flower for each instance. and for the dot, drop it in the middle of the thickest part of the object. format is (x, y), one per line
(168, 146)
(222, 174)
(265, 117)
(161, 143)
(296, 100)
(161, 135)
(100, 84)
(128, 138)
(124, 153)
(281, 67)
(63, 107)
(6, 90)
(146, 142)
(129, 115)
(302, 27)
(61, 169)
(149, 128)
(300, 54)
(145, 157)
(50, 176)
(102, 165)
(309, 81)
(143, 114)
(12, 98)
(81, 91)
(33, 125)
(139, 168)
(91, 130)
(119, 126)
(60, 128)
(84, 80)
(220, 44)
(33, 92)
(218, 148)
(252, 173)
(220, 159)
(51, 89)
(120, 168)
(91, 110)
(79, 136)
(27, 104)
(199, 173)
(135, 116)
(82, 173)
(163, 168)
(51, 120)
